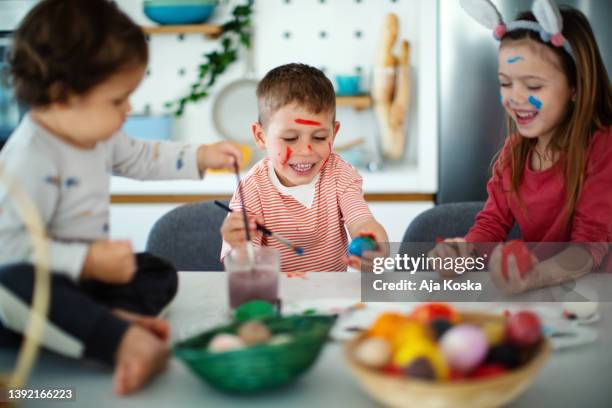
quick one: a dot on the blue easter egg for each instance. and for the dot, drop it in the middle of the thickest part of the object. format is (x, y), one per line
(361, 244)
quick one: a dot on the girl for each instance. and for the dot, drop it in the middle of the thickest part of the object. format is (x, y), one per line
(554, 173)
(75, 63)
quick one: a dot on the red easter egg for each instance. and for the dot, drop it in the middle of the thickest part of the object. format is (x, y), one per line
(521, 254)
(392, 370)
(429, 312)
(523, 328)
(489, 371)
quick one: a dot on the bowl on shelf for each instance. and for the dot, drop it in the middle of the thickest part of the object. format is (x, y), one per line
(177, 12)
(348, 85)
(261, 366)
(400, 391)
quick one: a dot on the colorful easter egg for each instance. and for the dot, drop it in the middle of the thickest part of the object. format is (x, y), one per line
(361, 244)
(464, 346)
(223, 342)
(422, 348)
(522, 256)
(373, 352)
(439, 327)
(428, 312)
(422, 368)
(494, 331)
(505, 354)
(253, 332)
(488, 371)
(408, 331)
(386, 325)
(523, 328)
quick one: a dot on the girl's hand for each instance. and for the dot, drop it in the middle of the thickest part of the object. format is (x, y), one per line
(221, 155)
(515, 283)
(450, 248)
(110, 262)
(232, 229)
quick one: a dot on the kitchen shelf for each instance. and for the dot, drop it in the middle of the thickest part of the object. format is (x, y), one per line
(210, 30)
(357, 102)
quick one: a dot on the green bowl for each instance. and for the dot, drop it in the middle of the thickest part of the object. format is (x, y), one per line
(260, 367)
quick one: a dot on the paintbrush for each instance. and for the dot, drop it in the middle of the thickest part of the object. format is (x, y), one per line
(249, 244)
(267, 232)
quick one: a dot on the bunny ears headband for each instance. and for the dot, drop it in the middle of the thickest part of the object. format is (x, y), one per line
(549, 22)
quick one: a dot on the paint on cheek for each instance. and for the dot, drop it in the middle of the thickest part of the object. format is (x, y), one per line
(516, 59)
(535, 102)
(288, 152)
(307, 122)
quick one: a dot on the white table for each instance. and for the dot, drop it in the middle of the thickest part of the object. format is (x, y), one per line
(580, 377)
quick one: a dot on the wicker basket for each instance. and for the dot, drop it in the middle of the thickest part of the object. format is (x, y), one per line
(259, 367)
(407, 392)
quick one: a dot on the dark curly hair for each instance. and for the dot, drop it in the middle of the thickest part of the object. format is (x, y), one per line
(294, 83)
(70, 46)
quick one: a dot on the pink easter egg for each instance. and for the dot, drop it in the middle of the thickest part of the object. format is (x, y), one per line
(464, 347)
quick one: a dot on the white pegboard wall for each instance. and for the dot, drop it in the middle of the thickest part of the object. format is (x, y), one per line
(338, 36)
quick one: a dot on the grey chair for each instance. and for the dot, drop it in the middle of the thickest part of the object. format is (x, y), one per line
(189, 237)
(442, 221)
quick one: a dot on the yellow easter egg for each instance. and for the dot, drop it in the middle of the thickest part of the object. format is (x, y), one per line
(410, 331)
(419, 349)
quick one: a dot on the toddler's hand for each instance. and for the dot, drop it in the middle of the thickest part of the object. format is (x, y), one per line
(221, 155)
(365, 263)
(110, 262)
(232, 229)
(450, 248)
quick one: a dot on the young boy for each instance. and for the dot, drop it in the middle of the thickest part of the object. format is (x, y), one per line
(301, 190)
(75, 63)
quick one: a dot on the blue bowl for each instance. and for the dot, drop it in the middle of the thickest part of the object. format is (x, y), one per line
(348, 85)
(149, 127)
(175, 14)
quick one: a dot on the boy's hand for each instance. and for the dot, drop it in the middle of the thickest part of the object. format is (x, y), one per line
(450, 248)
(232, 229)
(221, 155)
(110, 262)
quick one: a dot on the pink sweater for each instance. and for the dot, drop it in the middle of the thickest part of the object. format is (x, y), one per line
(540, 216)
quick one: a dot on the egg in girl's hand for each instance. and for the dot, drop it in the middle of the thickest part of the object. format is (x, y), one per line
(223, 342)
(464, 346)
(523, 328)
(373, 352)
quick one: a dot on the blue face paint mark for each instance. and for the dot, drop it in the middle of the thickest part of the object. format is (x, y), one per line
(535, 102)
(512, 60)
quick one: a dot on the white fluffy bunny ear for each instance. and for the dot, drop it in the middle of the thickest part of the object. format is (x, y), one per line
(484, 12)
(548, 15)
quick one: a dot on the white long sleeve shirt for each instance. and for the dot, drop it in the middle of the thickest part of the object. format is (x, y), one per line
(70, 188)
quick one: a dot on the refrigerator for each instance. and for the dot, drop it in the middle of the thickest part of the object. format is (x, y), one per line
(471, 118)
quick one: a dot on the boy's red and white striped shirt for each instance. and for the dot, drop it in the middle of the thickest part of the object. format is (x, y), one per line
(320, 229)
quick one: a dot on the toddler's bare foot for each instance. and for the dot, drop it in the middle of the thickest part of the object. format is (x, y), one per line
(157, 326)
(140, 357)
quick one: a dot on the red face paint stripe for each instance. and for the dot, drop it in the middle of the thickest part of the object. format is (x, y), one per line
(307, 122)
(288, 152)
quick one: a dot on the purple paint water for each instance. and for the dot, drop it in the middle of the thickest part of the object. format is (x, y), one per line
(246, 285)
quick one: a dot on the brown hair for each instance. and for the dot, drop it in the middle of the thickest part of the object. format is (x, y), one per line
(592, 109)
(294, 83)
(70, 46)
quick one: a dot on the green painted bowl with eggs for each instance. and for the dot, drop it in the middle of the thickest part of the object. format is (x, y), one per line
(223, 361)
